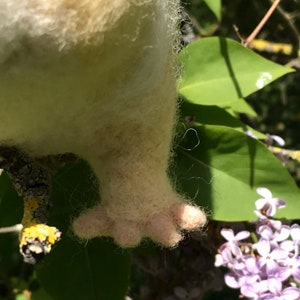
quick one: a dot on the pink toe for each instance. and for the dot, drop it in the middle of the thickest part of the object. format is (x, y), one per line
(161, 229)
(92, 223)
(188, 217)
(127, 233)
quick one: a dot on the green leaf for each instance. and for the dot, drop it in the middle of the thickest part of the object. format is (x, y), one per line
(240, 106)
(11, 205)
(215, 6)
(221, 168)
(94, 270)
(214, 115)
(219, 71)
(21, 297)
(97, 270)
(40, 294)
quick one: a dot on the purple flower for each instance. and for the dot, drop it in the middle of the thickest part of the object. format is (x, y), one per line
(290, 267)
(270, 289)
(255, 290)
(270, 258)
(252, 272)
(263, 220)
(273, 235)
(233, 280)
(279, 140)
(239, 278)
(277, 293)
(233, 241)
(270, 268)
(268, 205)
(294, 244)
(251, 134)
(251, 290)
(224, 257)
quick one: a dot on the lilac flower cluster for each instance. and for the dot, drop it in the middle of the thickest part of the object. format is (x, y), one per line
(266, 264)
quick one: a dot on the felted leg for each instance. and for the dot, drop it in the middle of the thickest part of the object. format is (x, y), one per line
(130, 157)
(137, 201)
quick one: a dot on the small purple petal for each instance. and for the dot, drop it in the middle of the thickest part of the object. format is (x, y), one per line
(295, 232)
(242, 235)
(282, 273)
(251, 265)
(276, 224)
(263, 247)
(287, 245)
(279, 254)
(249, 291)
(228, 234)
(219, 260)
(290, 293)
(283, 234)
(238, 266)
(279, 140)
(226, 255)
(296, 275)
(275, 286)
(266, 193)
(232, 281)
(260, 203)
(265, 232)
(271, 210)
(279, 203)
(251, 134)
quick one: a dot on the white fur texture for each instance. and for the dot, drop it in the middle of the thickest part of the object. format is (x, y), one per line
(96, 78)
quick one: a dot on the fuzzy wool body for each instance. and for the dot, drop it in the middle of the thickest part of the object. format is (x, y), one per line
(97, 78)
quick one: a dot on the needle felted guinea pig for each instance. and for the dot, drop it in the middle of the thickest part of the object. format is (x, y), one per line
(97, 78)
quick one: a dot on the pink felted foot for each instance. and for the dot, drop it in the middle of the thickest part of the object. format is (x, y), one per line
(188, 217)
(162, 227)
(94, 222)
(127, 233)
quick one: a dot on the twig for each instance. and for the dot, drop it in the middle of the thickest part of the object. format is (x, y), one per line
(261, 23)
(236, 29)
(14, 228)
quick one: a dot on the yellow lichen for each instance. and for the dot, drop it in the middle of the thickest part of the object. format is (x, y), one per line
(44, 233)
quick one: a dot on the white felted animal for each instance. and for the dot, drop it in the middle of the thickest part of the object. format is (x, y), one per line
(97, 78)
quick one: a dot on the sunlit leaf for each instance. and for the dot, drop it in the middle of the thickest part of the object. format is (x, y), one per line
(219, 71)
(241, 106)
(221, 168)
